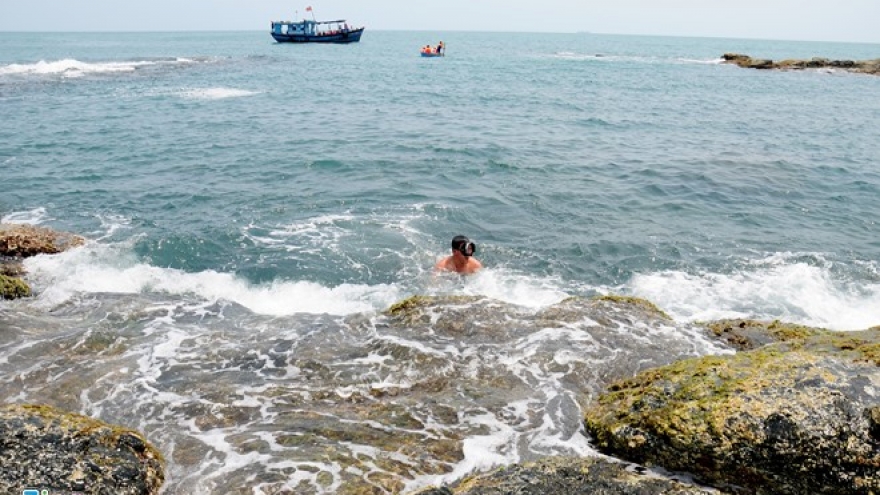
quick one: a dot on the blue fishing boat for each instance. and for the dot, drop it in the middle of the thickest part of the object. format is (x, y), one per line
(314, 31)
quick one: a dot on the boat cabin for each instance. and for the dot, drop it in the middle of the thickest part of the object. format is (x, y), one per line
(310, 28)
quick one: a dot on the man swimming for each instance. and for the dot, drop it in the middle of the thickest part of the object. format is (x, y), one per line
(462, 259)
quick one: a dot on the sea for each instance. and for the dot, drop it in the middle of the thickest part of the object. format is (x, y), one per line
(252, 209)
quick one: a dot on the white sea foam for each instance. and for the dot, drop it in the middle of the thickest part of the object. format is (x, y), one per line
(215, 93)
(508, 286)
(32, 217)
(99, 268)
(779, 287)
(711, 61)
(481, 452)
(71, 67)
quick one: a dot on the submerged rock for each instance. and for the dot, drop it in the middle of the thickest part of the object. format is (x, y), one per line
(799, 415)
(42, 447)
(566, 476)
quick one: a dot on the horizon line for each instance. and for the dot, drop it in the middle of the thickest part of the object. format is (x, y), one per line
(584, 33)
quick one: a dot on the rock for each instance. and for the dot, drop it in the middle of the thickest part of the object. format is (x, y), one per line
(860, 66)
(42, 447)
(22, 241)
(11, 268)
(745, 335)
(13, 288)
(566, 476)
(799, 415)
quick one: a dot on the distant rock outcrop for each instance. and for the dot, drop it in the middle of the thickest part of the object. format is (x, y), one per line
(42, 447)
(800, 413)
(862, 66)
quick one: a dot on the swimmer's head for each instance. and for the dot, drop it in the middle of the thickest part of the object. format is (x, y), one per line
(464, 245)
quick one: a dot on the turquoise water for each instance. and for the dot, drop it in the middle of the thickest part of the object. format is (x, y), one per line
(290, 181)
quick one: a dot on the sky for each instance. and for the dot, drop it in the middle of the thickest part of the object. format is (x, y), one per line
(807, 20)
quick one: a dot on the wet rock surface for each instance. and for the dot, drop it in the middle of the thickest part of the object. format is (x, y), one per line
(362, 404)
(566, 476)
(796, 414)
(45, 448)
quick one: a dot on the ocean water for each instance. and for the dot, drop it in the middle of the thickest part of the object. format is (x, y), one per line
(252, 208)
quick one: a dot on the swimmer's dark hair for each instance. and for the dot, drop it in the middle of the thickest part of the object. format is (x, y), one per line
(464, 245)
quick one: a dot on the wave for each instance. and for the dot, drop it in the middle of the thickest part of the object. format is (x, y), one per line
(807, 288)
(103, 268)
(98, 269)
(72, 68)
(783, 286)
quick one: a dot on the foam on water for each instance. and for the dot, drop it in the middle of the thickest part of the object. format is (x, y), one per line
(506, 285)
(219, 93)
(32, 217)
(778, 287)
(72, 67)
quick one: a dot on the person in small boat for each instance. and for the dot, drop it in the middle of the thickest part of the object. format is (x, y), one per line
(440, 47)
(462, 258)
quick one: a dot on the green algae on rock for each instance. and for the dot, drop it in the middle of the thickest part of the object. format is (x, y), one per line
(796, 416)
(13, 288)
(46, 447)
(750, 334)
(418, 303)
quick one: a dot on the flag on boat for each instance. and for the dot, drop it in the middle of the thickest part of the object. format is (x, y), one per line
(309, 8)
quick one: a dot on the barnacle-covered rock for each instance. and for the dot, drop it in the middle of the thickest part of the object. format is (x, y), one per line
(45, 447)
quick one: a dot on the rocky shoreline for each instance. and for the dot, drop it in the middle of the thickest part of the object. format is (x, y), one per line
(859, 66)
(793, 410)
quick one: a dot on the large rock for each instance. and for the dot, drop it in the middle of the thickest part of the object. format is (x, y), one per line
(799, 415)
(42, 447)
(566, 476)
